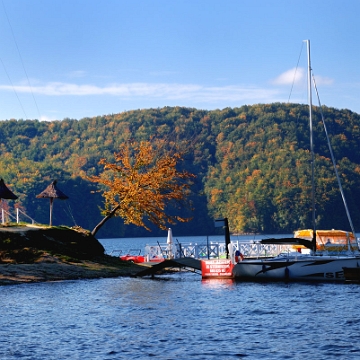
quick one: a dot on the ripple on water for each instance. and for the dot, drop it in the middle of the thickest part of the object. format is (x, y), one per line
(183, 316)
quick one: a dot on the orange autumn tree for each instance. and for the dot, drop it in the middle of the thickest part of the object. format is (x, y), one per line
(142, 181)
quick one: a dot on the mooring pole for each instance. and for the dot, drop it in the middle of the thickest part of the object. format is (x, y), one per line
(227, 237)
(221, 223)
(207, 246)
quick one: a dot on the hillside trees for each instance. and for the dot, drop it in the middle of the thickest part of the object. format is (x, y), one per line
(261, 179)
(251, 162)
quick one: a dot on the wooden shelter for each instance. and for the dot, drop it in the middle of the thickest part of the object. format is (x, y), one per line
(52, 192)
(5, 193)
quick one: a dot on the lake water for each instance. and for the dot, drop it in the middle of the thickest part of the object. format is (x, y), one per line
(178, 316)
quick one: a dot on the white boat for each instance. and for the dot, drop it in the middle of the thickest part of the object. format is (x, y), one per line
(328, 251)
(326, 264)
(291, 268)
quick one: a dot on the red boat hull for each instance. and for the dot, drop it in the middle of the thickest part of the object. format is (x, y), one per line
(133, 258)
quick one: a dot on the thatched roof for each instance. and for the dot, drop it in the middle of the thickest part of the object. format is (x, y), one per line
(5, 193)
(52, 192)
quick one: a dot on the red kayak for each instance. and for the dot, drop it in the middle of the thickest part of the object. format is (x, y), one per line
(133, 258)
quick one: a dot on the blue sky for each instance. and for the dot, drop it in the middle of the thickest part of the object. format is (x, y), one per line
(82, 58)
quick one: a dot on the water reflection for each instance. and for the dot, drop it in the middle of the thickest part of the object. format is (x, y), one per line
(218, 284)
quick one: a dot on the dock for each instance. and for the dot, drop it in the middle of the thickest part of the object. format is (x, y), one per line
(187, 263)
(208, 269)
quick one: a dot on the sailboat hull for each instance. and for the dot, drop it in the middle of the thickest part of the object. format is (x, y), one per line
(302, 268)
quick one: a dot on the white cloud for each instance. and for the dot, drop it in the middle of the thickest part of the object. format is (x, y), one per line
(297, 76)
(290, 76)
(47, 118)
(175, 91)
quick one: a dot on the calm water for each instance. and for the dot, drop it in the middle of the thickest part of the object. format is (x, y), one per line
(178, 317)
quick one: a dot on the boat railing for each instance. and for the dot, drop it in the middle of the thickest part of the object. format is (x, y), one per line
(216, 250)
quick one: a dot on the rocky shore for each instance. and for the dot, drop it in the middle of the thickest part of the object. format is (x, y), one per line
(34, 254)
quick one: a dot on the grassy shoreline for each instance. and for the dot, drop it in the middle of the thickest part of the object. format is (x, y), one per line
(54, 269)
(36, 254)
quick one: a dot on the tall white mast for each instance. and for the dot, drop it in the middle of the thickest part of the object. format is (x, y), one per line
(311, 148)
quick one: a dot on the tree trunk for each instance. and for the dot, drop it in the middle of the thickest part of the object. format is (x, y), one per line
(104, 220)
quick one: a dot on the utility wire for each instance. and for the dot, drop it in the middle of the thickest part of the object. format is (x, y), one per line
(22, 62)
(21, 105)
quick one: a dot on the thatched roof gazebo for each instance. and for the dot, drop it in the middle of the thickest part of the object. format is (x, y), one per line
(52, 192)
(5, 193)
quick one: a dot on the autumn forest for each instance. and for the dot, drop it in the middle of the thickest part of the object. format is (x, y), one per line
(252, 165)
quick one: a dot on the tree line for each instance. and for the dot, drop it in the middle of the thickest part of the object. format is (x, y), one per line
(251, 163)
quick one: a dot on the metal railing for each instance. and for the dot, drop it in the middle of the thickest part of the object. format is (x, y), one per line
(213, 250)
(5, 216)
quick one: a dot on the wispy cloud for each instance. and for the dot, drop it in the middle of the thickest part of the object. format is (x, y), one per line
(297, 75)
(47, 118)
(76, 74)
(320, 80)
(290, 76)
(174, 91)
(163, 73)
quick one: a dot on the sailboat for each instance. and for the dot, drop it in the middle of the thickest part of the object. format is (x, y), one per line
(328, 251)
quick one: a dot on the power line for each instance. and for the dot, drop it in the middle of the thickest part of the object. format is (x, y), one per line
(22, 62)
(21, 105)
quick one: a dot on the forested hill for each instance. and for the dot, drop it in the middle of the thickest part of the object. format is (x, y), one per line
(252, 165)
